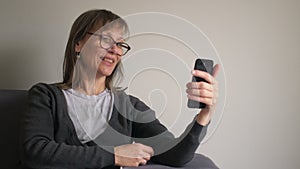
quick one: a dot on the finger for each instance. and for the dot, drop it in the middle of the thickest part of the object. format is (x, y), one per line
(147, 149)
(200, 92)
(216, 70)
(144, 155)
(204, 75)
(200, 85)
(207, 101)
(147, 158)
(143, 162)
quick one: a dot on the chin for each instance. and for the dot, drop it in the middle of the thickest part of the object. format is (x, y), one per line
(105, 73)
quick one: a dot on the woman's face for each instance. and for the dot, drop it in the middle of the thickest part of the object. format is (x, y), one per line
(94, 58)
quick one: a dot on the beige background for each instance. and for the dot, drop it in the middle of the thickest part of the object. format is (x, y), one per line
(258, 42)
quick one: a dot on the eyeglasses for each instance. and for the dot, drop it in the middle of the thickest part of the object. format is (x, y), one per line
(107, 42)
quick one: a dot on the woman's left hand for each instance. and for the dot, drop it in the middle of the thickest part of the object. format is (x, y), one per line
(205, 92)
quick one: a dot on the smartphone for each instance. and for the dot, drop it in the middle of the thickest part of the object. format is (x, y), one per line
(203, 65)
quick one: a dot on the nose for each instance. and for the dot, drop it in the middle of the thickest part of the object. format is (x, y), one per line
(115, 49)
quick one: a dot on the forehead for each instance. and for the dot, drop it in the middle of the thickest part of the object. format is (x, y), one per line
(114, 29)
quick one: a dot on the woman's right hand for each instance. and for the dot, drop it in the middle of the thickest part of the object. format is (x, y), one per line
(132, 154)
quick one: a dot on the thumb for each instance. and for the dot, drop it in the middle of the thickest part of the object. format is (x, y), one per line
(216, 70)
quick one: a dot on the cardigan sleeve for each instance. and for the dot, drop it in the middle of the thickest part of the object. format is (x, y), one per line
(41, 150)
(168, 149)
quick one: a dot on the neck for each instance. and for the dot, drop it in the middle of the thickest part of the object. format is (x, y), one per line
(91, 85)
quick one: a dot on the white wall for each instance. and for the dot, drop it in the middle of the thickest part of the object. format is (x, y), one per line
(258, 42)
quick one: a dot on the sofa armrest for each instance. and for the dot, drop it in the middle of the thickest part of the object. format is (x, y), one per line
(198, 162)
(12, 103)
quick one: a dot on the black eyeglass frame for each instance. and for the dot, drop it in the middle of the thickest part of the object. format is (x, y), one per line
(120, 44)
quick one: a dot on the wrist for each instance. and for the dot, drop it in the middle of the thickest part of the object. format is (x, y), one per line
(203, 122)
(116, 157)
(203, 118)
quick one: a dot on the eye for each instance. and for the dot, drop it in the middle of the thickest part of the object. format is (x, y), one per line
(106, 39)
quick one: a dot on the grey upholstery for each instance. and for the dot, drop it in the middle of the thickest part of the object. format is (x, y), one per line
(12, 104)
(199, 162)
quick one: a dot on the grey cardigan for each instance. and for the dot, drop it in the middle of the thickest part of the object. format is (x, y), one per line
(49, 138)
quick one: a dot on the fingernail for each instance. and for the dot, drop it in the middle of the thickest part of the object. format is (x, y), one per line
(193, 71)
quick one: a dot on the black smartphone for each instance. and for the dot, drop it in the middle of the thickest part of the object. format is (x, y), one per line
(203, 65)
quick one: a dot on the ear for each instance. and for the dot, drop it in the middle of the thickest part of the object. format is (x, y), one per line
(78, 46)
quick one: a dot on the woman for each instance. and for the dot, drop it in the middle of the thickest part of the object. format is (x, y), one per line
(87, 122)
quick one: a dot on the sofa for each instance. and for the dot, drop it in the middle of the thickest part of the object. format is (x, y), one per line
(12, 103)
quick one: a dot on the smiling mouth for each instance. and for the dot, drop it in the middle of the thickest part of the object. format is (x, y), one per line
(106, 59)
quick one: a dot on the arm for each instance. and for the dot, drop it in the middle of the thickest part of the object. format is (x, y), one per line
(168, 150)
(42, 150)
(184, 147)
(178, 151)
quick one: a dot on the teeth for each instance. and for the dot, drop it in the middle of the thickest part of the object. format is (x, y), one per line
(108, 60)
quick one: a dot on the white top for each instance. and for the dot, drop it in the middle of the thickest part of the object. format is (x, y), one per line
(89, 113)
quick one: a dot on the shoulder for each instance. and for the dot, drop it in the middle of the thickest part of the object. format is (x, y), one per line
(122, 95)
(44, 90)
(45, 86)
